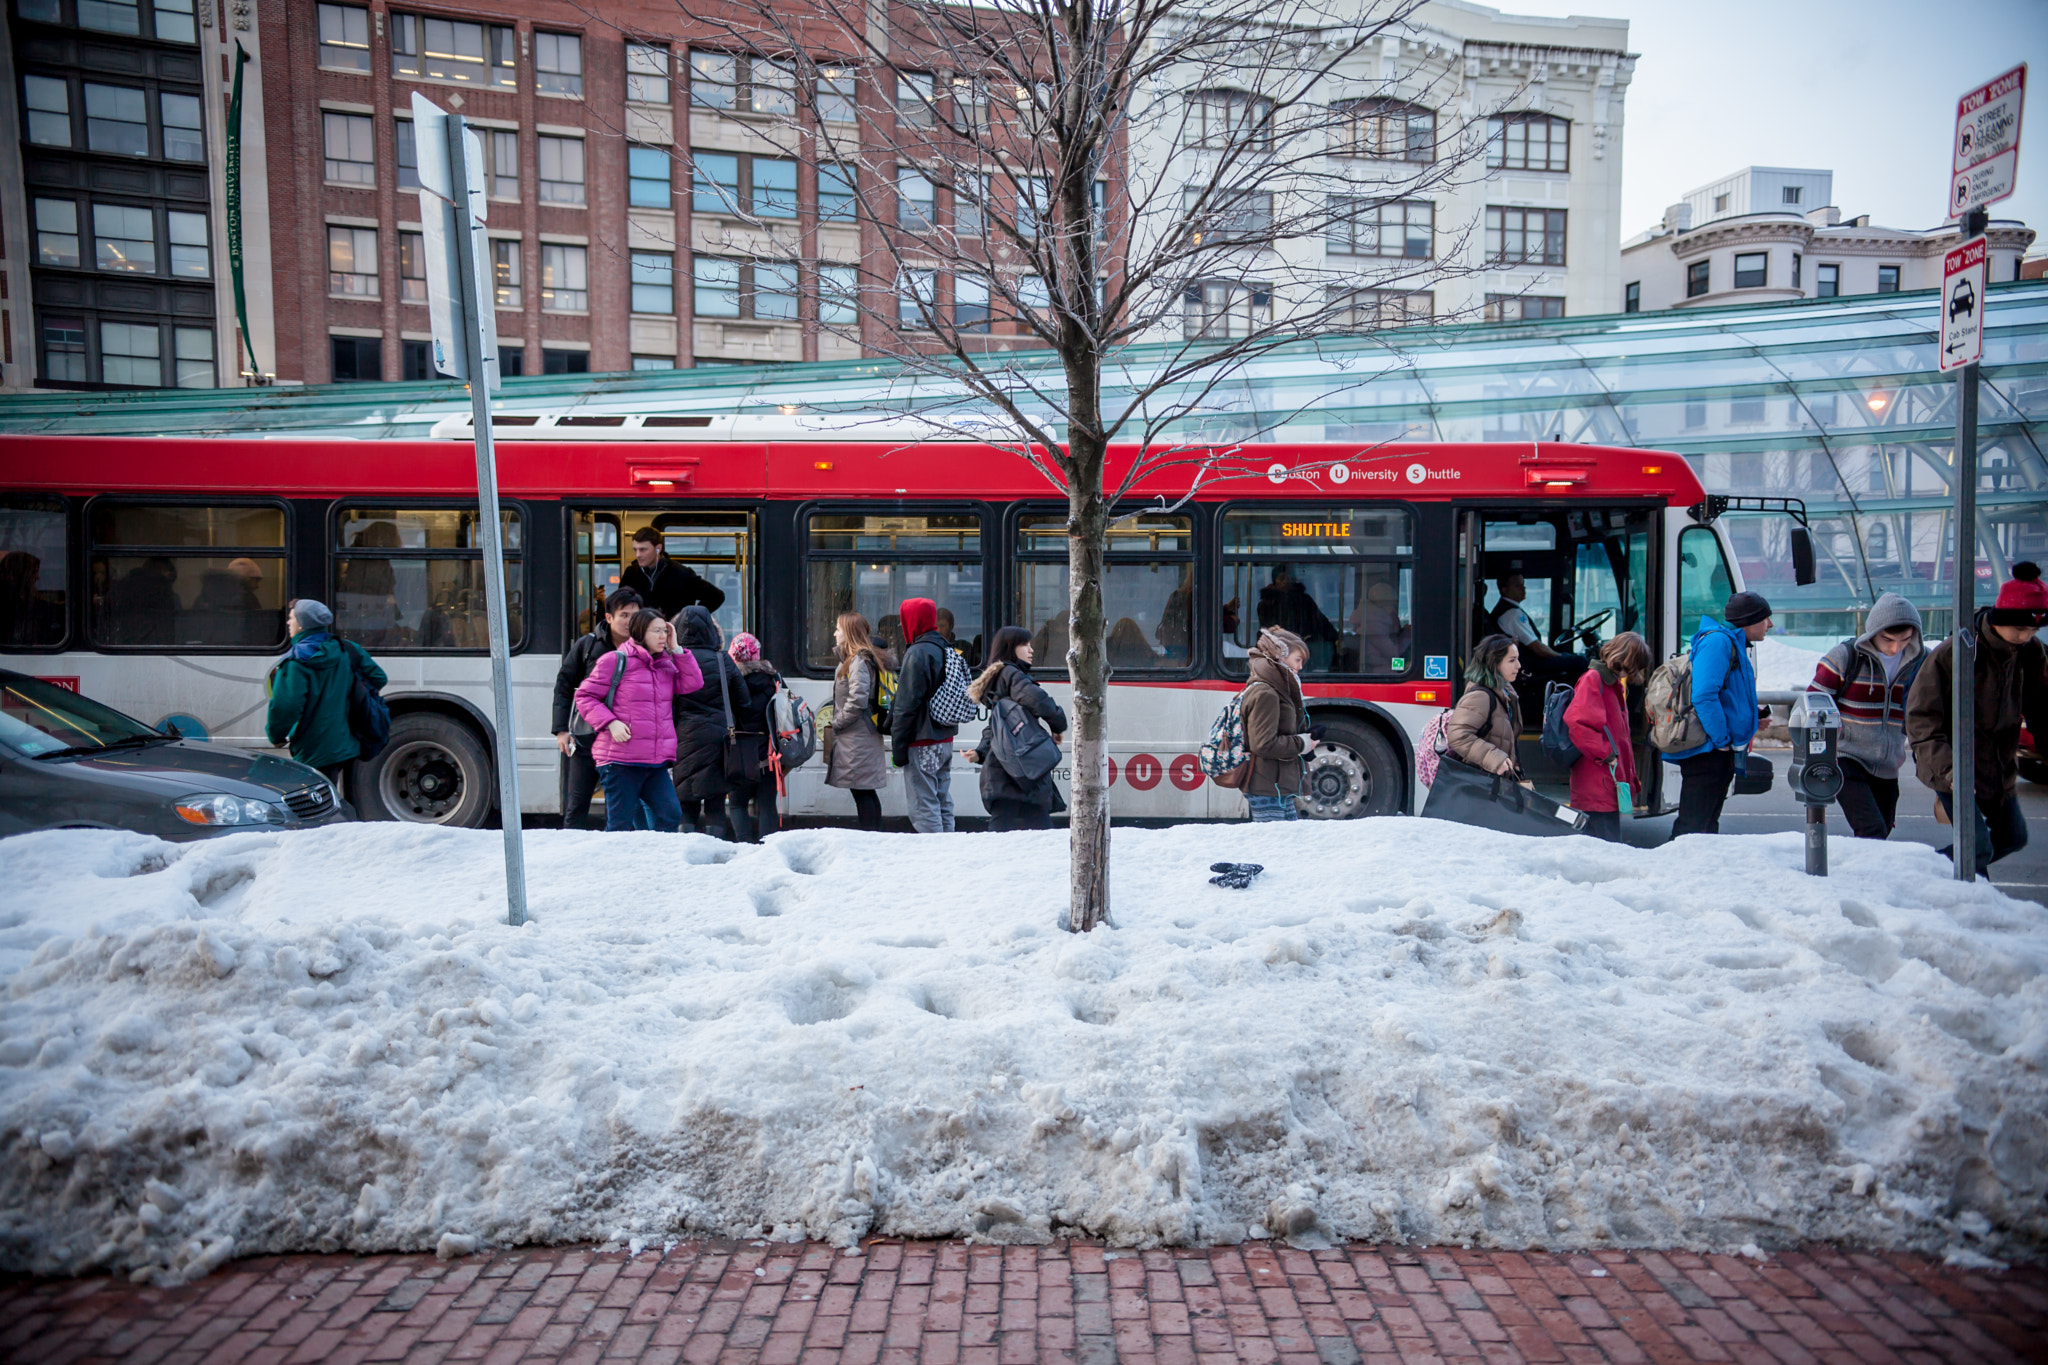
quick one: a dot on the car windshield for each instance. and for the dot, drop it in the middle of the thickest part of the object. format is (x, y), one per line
(40, 718)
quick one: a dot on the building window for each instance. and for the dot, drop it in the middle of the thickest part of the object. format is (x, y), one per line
(124, 238)
(49, 110)
(554, 360)
(1795, 270)
(1632, 297)
(1696, 279)
(773, 186)
(564, 280)
(428, 49)
(350, 143)
(714, 79)
(1230, 118)
(970, 195)
(1827, 281)
(1034, 203)
(412, 268)
(715, 291)
(116, 120)
(917, 298)
(835, 194)
(1366, 309)
(1528, 142)
(558, 64)
(190, 258)
(720, 80)
(970, 303)
(654, 362)
(742, 186)
(184, 136)
(646, 73)
(773, 296)
(131, 354)
(837, 98)
(110, 16)
(40, 11)
(501, 174)
(1522, 307)
(352, 262)
(647, 178)
(1245, 216)
(505, 276)
(1791, 194)
(413, 578)
(916, 99)
(1525, 236)
(771, 87)
(1752, 270)
(838, 295)
(356, 360)
(561, 170)
(64, 350)
(1720, 203)
(344, 38)
(1388, 130)
(511, 361)
(970, 103)
(407, 150)
(176, 22)
(415, 360)
(1887, 279)
(56, 232)
(1225, 308)
(916, 201)
(1746, 410)
(1362, 227)
(654, 282)
(192, 353)
(183, 576)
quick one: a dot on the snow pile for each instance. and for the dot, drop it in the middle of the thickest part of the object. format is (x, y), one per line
(1784, 667)
(1404, 1030)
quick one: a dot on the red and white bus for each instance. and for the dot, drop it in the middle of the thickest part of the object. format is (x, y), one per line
(152, 574)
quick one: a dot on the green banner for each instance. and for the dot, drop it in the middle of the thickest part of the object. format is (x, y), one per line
(234, 177)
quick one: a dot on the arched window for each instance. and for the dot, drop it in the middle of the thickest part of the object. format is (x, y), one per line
(1390, 130)
(1528, 142)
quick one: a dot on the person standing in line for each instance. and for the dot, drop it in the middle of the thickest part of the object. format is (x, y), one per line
(1871, 677)
(858, 762)
(572, 733)
(1011, 802)
(1485, 725)
(309, 693)
(662, 583)
(1598, 722)
(635, 723)
(751, 803)
(1724, 699)
(701, 712)
(1277, 734)
(921, 746)
(2012, 687)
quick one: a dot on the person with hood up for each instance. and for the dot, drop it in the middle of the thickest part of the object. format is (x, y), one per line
(636, 728)
(2011, 675)
(857, 761)
(701, 713)
(1724, 699)
(1011, 802)
(1870, 677)
(309, 693)
(1598, 722)
(920, 746)
(751, 803)
(1277, 734)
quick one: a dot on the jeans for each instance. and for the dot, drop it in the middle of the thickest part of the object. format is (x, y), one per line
(753, 811)
(2001, 828)
(1266, 808)
(628, 785)
(707, 816)
(1604, 824)
(929, 785)
(1702, 791)
(1004, 816)
(1869, 803)
(867, 807)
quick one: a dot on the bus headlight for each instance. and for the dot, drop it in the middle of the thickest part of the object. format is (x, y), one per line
(210, 808)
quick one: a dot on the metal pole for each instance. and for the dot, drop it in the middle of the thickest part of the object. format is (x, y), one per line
(492, 530)
(1817, 841)
(1963, 720)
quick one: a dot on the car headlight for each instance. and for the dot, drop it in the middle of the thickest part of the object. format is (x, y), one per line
(210, 808)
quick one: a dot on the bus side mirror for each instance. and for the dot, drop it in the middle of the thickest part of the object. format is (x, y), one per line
(1803, 571)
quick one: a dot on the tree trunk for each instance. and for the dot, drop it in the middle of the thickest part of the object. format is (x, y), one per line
(1087, 666)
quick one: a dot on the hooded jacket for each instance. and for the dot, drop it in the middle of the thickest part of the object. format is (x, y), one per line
(1874, 708)
(924, 668)
(1014, 681)
(1275, 728)
(645, 701)
(2012, 686)
(700, 712)
(1723, 691)
(1598, 712)
(309, 698)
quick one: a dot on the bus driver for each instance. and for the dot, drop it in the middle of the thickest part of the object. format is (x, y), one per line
(1537, 656)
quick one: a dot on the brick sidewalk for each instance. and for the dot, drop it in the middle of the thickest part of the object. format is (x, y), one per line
(895, 1303)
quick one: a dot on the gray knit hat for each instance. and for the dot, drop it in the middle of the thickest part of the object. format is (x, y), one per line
(308, 614)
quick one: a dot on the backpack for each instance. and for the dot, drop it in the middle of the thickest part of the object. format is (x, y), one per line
(1674, 724)
(1019, 744)
(1557, 736)
(884, 697)
(793, 727)
(369, 718)
(950, 704)
(1226, 755)
(1435, 740)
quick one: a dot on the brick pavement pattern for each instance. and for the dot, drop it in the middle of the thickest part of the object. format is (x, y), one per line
(920, 1303)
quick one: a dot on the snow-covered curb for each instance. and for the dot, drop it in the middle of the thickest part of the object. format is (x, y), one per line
(1404, 1030)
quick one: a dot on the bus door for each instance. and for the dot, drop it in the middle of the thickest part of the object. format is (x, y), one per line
(719, 546)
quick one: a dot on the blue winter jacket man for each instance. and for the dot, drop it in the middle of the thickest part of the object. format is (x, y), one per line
(1724, 699)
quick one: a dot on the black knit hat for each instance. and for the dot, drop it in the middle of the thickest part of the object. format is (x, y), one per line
(1746, 609)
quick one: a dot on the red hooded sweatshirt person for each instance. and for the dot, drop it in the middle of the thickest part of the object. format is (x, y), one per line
(922, 670)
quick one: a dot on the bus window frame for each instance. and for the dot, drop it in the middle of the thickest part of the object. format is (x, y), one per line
(1198, 520)
(88, 546)
(756, 532)
(1219, 563)
(514, 561)
(75, 603)
(989, 513)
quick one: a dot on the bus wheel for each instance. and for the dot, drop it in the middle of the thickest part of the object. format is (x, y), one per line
(434, 771)
(1352, 773)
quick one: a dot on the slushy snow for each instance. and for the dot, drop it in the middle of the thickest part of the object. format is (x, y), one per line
(1404, 1030)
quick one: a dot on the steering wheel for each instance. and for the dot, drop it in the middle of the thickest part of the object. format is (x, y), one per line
(1584, 629)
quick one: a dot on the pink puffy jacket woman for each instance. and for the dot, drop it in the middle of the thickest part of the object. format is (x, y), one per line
(636, 730)
(1598, 721)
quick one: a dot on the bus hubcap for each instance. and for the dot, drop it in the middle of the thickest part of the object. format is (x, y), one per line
(423, 782)
(1338, 783)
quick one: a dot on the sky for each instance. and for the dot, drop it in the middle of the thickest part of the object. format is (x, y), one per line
(1864, 88)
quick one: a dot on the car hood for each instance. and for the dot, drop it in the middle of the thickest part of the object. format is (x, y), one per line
(185, 766)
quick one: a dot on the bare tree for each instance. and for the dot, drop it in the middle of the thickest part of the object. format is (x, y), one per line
(1134, 198)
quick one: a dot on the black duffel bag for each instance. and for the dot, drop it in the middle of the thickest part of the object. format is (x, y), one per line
(1756, 777)
(1472, 796)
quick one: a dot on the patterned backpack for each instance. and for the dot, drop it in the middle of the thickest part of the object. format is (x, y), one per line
(950, 704)
(1431, 747)
(1225, 756)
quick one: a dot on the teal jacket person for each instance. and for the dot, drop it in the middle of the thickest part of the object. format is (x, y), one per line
(309, 690)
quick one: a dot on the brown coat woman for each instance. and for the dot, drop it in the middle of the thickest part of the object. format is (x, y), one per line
(1487, 720)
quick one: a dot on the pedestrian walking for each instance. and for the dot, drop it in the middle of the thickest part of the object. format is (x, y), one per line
(750, 805)
(309, 693)
(1012, 801)
(1604, 784)
(2012, 688)
(1724, 700)
(858, 762)
(629, 700)
(701, 783)
(921, 745)
(573, 734)
(670, 588)
(1487, 721)
(1277, 734)
(1871, 676)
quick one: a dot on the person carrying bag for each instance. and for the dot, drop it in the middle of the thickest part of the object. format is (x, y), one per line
(1604, 780)
(1479, 781)
(1017, 754)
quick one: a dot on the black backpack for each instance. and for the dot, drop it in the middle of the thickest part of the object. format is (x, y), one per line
(1557, 736)
(369, 719)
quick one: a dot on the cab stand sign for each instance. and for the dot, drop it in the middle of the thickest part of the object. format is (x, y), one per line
(1963, 277)
(1987, 146)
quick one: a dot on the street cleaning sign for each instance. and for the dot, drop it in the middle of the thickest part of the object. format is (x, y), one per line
(1987, 145)
(1963, 277)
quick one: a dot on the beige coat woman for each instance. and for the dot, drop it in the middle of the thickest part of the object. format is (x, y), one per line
(1479, 739)
(859, 754)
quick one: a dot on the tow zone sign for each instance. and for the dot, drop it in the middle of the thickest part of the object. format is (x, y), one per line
(1963, 277)
(1987, 145)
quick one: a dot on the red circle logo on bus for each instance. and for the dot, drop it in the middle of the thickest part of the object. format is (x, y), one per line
(1112, 772)
(1186, 772)
(1142, 771)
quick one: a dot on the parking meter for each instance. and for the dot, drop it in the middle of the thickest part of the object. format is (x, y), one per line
(1816, 777)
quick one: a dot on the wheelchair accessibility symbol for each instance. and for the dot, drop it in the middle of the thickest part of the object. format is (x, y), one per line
(1436, 667)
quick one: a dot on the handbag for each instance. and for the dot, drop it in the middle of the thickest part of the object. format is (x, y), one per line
(1756, 776)
(745, 755)
(1470, 795)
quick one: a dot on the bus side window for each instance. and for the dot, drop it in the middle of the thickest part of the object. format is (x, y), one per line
(34, 561)
(182, 576)
(413, 578)
(1704, 581)
(867, 563)
(1148, 593)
